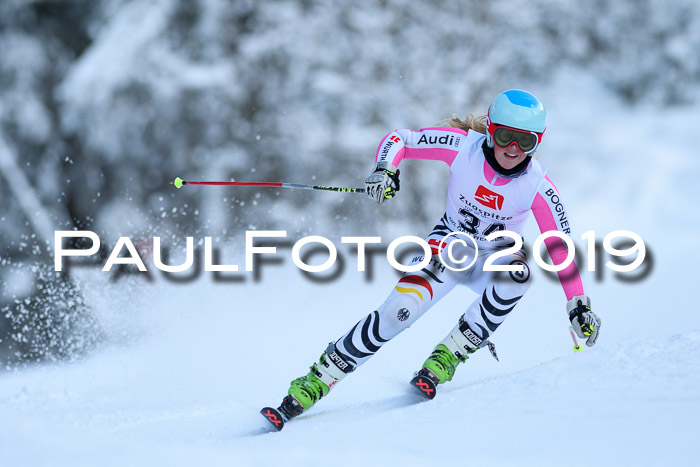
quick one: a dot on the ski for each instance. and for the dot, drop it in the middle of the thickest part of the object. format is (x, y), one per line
(424, 385)
(288, 409)
(274, 417)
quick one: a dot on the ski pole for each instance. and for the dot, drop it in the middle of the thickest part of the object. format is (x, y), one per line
(577, 346)
(178, 182)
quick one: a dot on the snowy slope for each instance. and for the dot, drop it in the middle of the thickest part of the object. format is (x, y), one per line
(188, 388)
(620, 404)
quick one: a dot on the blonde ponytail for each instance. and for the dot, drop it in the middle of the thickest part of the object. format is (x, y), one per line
(470, 122)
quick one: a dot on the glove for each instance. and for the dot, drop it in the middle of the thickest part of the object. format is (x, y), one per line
(383, 183)
(585, 323)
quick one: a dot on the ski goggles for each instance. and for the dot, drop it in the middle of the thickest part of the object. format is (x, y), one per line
(527, 141)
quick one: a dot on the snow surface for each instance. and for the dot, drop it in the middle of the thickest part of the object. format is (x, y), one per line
(188, 390)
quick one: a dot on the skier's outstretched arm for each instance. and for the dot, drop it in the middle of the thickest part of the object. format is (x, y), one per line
(440, 143)
(550, 214)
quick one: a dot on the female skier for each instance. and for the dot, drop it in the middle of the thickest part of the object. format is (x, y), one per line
(494, 185)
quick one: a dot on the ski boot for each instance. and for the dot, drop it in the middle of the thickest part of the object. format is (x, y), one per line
(442, 363)
(306, 390)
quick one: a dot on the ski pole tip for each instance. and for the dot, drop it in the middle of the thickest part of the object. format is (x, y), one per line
(578, 348)
(178, 182)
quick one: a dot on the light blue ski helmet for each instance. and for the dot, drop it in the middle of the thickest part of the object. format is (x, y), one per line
(516, 109)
